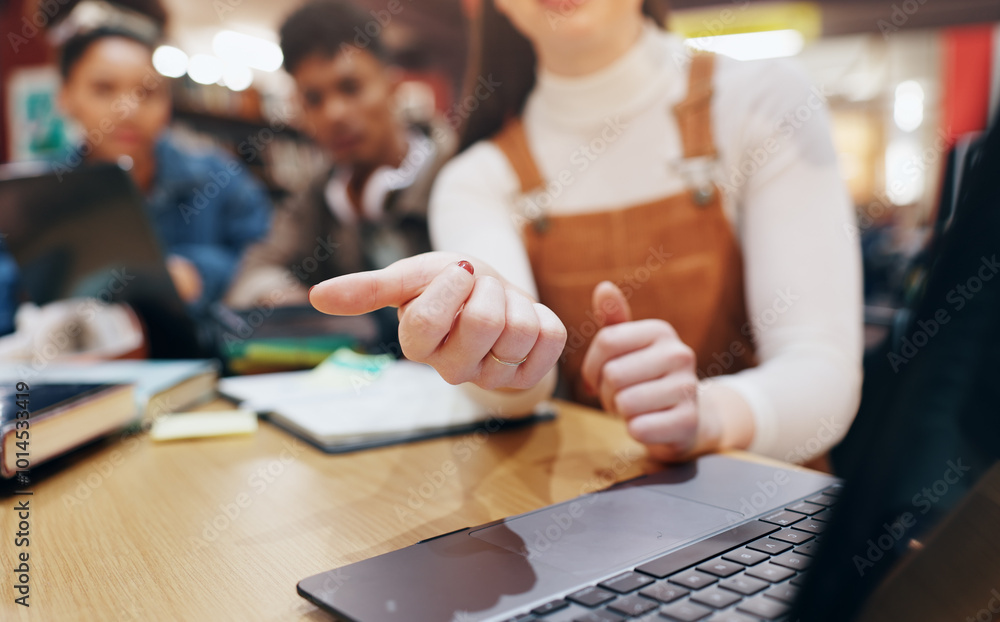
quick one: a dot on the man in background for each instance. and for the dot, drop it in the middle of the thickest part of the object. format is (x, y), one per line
(370, 208)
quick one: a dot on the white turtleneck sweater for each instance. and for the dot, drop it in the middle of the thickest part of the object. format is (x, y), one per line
(782, 193)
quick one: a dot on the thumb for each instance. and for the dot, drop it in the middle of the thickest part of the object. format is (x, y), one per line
(610, 305)
(393, 286)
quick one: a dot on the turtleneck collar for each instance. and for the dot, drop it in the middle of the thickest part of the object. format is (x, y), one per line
(626, 86)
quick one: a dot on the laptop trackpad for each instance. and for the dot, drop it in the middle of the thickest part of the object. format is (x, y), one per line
(612, 529)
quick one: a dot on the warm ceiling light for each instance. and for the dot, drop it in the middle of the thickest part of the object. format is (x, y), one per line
(205, 69)
(753, 45)
(237, 77)
(247, 50)
(170, 61)
(908, 108)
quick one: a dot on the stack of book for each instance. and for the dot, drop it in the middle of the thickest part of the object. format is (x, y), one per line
(48, 412)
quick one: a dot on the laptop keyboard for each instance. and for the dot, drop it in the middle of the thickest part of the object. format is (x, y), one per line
(749, 573)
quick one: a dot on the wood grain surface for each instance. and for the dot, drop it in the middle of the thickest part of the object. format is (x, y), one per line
(224, 529)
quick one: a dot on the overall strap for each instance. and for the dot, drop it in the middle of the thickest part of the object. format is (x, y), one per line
(694, 114)
(694, 118)
(513, 142)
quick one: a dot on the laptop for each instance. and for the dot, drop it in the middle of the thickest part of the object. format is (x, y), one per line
(84, 233)
(692, 539)
(912, 531)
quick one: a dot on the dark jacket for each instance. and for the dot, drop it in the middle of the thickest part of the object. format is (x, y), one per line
(307, 244)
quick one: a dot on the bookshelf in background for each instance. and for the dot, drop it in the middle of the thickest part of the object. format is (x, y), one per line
(283, 158)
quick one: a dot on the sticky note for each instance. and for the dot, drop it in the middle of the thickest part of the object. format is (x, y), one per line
(203, 424)
(346, 369)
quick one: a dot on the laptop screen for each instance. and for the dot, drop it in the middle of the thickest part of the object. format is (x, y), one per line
(85, 234)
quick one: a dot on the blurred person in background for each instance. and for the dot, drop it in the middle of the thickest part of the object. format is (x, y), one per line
(204, 207)
(369, 209)
(112, 90)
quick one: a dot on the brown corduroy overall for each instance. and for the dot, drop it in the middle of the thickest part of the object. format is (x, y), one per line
(675, 258)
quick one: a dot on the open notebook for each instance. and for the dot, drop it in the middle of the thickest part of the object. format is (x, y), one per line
(341, 408)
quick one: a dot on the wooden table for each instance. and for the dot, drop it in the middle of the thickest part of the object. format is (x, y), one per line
(224, 529)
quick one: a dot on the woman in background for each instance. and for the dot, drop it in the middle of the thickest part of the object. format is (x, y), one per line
(682, 215)
(204, 207)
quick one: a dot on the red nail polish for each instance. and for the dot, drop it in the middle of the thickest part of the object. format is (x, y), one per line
(309, 293)
(467, 267)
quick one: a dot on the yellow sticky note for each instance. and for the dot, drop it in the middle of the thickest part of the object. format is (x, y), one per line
(203, 424)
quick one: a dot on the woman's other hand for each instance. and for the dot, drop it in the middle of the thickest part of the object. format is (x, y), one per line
(644, 373)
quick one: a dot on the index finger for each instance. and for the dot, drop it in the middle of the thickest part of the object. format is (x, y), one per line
(393, 286)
